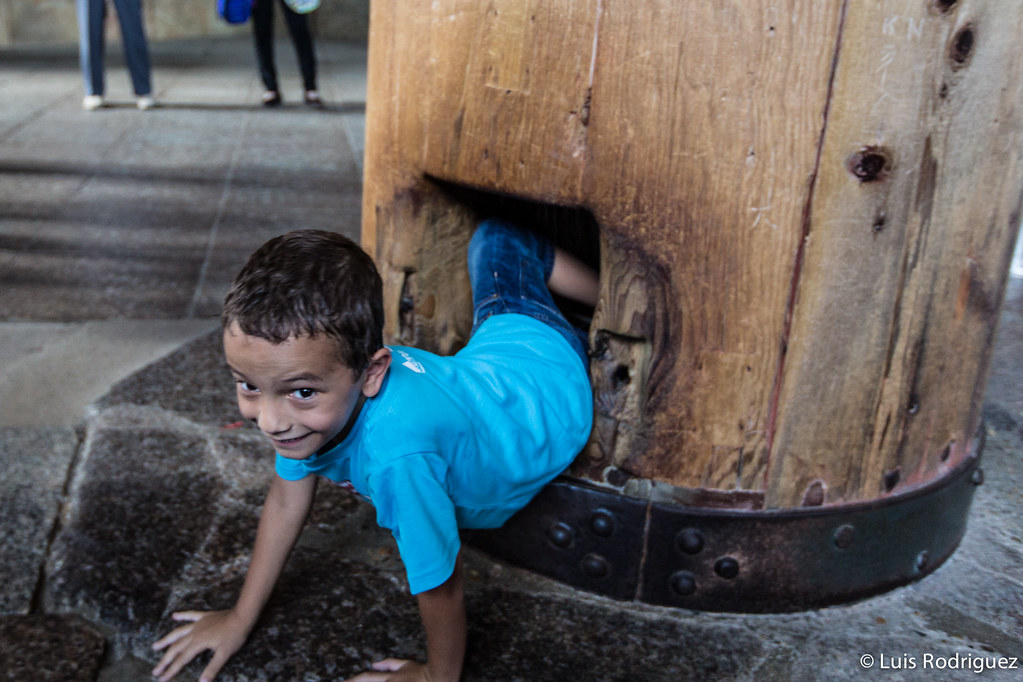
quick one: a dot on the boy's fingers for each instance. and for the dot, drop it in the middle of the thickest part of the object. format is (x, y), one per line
(215, 664)
(188, 615)
(368, 677)
(161, 667)
(167, 661)
(172, 636)
(180, 657)
(390, 664)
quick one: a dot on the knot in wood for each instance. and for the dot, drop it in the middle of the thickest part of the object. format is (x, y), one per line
(962, 47)
(870, 164)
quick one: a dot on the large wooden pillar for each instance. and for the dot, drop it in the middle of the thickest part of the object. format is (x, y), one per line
(806, 212)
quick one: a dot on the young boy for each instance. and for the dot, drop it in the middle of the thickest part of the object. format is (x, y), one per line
(436, 443)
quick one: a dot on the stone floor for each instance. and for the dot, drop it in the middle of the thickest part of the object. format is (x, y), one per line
(119, 231)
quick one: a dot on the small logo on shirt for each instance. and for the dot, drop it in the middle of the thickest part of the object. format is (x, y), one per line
(412, 363)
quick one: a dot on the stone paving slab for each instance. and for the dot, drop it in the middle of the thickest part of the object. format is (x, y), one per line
(51, 371)
(41, 648)
(121, 213)
(35, 465)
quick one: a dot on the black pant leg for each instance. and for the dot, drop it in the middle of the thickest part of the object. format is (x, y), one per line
(263, 31)
(298, 26)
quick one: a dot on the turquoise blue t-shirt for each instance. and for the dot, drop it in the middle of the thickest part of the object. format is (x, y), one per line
(462, 441)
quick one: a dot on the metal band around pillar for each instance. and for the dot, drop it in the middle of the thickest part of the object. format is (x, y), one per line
(736, 560)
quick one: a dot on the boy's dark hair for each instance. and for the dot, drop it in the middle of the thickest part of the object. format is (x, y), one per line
(310, 282)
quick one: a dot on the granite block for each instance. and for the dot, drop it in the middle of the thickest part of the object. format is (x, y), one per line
(192, 382)
(41, 648)
(327, 618)
(35, 463)
(141, 504)
(517, 636)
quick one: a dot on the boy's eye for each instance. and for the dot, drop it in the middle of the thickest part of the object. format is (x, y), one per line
(246, 387)
(303, 393)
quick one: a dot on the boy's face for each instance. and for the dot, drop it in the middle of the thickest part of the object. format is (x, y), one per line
(297, 392)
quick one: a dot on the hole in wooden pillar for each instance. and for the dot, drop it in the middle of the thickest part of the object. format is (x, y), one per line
(891, 479)
(815, 493)
(962, 47)
(570, 228)
(869, 164)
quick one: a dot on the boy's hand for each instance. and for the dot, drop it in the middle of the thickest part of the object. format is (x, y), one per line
(394, 670)
(221, 632)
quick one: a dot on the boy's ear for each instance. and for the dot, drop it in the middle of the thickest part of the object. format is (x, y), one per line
(375, 373)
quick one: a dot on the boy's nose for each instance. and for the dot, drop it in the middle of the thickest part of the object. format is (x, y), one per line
(271, 420)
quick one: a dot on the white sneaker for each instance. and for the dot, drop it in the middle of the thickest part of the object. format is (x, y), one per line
(145, 102)
(92, 102)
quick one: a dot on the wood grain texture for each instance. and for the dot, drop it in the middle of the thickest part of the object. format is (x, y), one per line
(509, 94)
(703, 134)
(806, 209)
(417, 234)
(904, 269)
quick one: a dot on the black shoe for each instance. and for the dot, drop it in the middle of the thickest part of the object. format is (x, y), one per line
(271, 98)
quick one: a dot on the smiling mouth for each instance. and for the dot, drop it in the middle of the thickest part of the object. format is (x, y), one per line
(286, 442)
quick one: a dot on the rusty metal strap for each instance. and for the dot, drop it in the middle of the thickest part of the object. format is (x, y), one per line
(735, 560)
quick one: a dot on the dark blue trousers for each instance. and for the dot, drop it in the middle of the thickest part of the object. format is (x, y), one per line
(91, 44)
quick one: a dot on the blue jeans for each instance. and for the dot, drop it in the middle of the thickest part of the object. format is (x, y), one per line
(508, 269)
(91, 44)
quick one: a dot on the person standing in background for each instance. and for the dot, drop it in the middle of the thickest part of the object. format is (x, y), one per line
(263, 32)
(91, 44)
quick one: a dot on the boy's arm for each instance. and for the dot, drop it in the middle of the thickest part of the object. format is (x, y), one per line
(443, 612)
(284, 513)
(573, 279)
